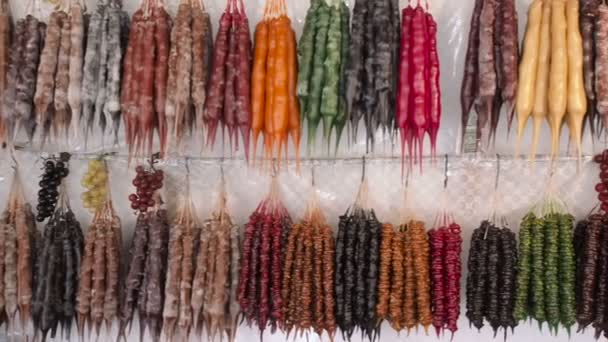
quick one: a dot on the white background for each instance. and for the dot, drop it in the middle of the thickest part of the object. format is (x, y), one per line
(470, 195)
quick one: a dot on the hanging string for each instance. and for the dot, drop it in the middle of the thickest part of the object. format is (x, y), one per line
(361, 199)
(445, 180)
(312, 176)
(495, 194)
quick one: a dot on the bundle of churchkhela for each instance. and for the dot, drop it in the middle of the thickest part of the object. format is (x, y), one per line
(97, 297)
(308, 274)
(357, 268)
(264, 246)
(591, 251)
(553, 73)
(18, 237)
(50, 98)
(188, 73)
(216, 278)
(144, 285)
(55, 170)
(177, 311)
(490, 76)
(446, 246)
(596, 12)
(100, 95)
(591, 24)
(546, 271)
(144, 83)
(274, 106)
(492, 268)
(5, 44)
(371, 69)
(418, 107)
(404, 282)
(78, 22)
(56, 277)
(322, 53)
(18, 97)
(95, 181)
(229, 101)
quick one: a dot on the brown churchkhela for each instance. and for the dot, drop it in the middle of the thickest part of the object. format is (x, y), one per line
(202, 50)
(487, 72)
(17, 250)
(144, 287)
(509, 55)
(490, 73)
(61, 121)
(5, 43)
(76, 57)
(45, 87)
(161, 40)
(213, 300)
(188, 68)
(588, 26)
(145, 78)
(177, 311)
(18, 97)
(97, 296)
(601, 72)
(307, 284)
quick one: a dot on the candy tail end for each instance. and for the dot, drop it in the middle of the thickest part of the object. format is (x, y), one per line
(245, 131)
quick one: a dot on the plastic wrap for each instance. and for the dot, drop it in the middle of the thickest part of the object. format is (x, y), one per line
(453, 19)
(469, 195)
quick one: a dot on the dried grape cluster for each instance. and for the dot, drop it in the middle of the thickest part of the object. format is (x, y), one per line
(146, 273)
(490, 288)
(264, 250)
(214, 289)
(95, 180)
(98, 286)
(147, 182)
(357, 269)
(55, 170)
(308, 276)
(546, 270)
(18, 237)
(57, 271)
